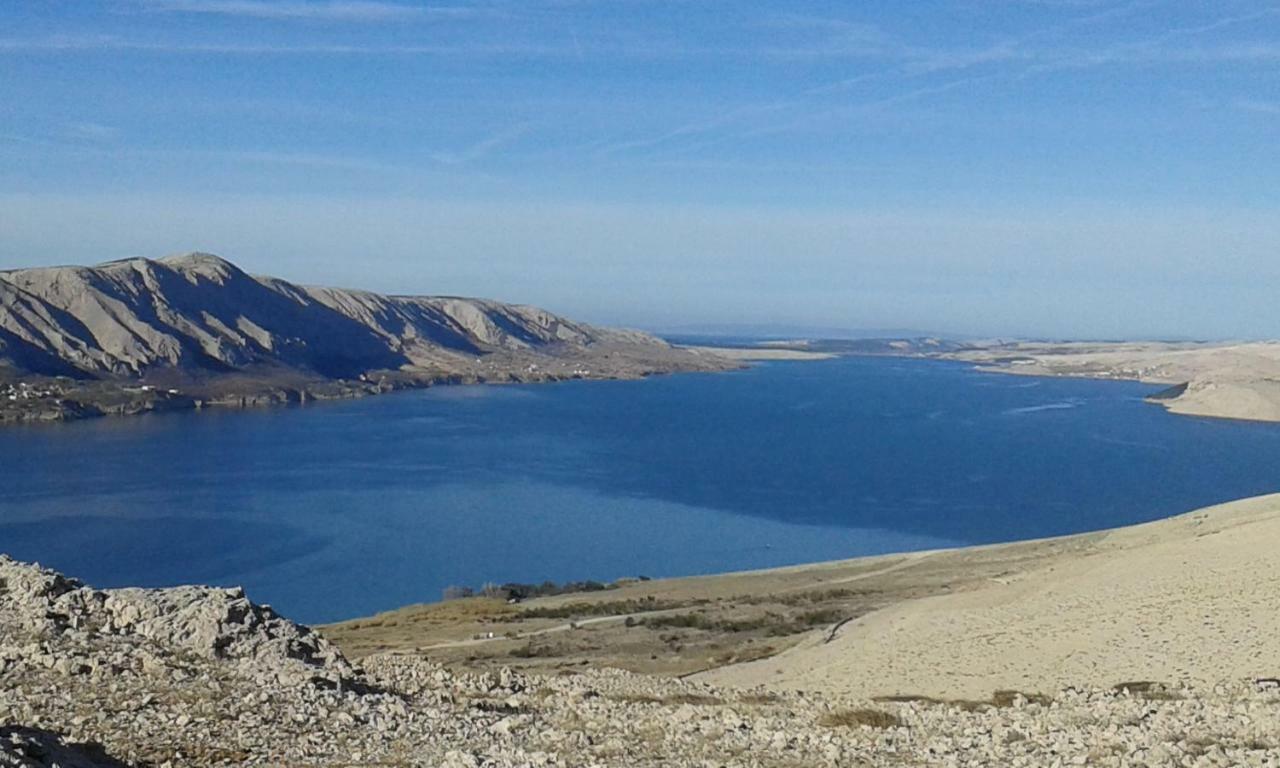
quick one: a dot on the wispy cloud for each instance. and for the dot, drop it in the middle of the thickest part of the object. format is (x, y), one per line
(108, 43)
(90, 131)
(333, 10)
(916, 75)
(1169, 47)
(482, 147)
(1259, 107)
(694, 128)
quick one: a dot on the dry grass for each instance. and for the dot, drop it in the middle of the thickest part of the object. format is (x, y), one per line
(533, 651)
(852, 718)
(695, 699)
(763, 698)
(482, 609)
(908, 698)
(810, 597)
(746, 654)
(704, 623)
(584, 609)
(770, 624)
(1149, 690)
(999, 699)
(1007, 698)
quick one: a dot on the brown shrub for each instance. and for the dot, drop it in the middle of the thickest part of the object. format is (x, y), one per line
(850, 718)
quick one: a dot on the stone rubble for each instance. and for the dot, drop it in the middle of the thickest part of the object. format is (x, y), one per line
(196, 676)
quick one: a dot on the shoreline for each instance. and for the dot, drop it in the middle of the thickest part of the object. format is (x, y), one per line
(759, 353)
(193, 330)
(264, 394)
(1235, 381)
(1168, 403)
(148, 399)
(855, 626)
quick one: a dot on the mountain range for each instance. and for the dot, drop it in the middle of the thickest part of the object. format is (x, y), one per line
(202, 327)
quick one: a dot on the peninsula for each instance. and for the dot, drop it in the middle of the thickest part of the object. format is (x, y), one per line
(1220, 380)
(194, 330)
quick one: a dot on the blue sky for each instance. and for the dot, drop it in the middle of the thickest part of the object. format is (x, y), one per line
(1016, 167)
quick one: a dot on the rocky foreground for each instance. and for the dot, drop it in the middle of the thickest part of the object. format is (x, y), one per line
(198, 676)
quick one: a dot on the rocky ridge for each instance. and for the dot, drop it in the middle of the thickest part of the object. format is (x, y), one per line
(194, 329)
(198, 676)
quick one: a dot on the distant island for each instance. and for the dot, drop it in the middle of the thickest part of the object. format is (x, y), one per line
(194, 330)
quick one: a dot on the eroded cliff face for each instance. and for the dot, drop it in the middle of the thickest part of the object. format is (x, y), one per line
(138, 335)
(200, 312)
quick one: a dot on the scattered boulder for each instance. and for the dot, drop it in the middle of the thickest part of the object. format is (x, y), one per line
(33, 748)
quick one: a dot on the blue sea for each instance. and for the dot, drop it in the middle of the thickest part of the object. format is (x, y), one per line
(343, 509)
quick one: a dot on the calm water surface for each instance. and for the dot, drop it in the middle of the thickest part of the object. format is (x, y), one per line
(344, 509)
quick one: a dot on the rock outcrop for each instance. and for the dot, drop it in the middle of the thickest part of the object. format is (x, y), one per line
(215, 624)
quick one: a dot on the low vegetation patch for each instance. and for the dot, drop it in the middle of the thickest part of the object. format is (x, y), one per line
(498, 707)
(852, 718)
(694, 699)
(518, 591)
(795, 599)
(1151, 691)
(822, 617)
(762, 698)
(532, 651)
(770, 624)
(1008, 698)
(579, 610)
(480, 609)
(999, 699)
(908, 698)
(747, 654)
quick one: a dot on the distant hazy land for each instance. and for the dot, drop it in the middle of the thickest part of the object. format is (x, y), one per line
(761, 353)
(1218, 380)
(1224, 380)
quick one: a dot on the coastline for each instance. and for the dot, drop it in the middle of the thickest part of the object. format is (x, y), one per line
(193, 330)
(134, 398)
(1101, 608)
(759, 353)
(1235, 381)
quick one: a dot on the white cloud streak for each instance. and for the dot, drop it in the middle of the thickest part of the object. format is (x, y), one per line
(335, 10)
(481, 148)
(109, 43)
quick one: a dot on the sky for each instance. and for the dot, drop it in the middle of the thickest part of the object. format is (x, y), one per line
(1048, 168)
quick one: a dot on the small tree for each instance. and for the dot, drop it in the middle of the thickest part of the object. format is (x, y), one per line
(455, 592)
